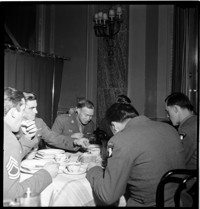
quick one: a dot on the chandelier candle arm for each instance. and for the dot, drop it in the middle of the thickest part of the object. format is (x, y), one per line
(111, 14)
(105, 18)
(96, 18)
(119, 12)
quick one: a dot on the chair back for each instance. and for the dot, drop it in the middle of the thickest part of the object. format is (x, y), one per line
(185, 179)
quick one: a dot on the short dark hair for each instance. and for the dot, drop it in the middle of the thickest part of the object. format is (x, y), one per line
(180, 99)
(85, 103)
(123, 99)
(29, 96)
(118, 112)
(12, 98)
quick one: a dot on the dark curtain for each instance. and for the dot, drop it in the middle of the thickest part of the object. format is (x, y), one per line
(33, 73)
(57, 86)
(185, 53)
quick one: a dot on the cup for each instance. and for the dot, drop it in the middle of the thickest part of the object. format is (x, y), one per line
(30, 201)
(60, 158)
(73, 168)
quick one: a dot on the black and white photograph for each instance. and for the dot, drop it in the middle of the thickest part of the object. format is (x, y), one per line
(101, 103)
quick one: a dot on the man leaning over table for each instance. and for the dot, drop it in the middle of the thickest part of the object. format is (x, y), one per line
(78, 124)
(143, 150)
(44, 132)
(14, 105)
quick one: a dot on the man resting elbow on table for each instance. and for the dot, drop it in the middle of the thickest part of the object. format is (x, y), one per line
(14, 105)
(44, 132)
(78, 123)
(143, 150)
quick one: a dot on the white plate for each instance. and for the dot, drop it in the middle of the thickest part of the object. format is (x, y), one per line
(34, 164)
(23, 170)
(81, 171)
(44, 156)
(51, 151)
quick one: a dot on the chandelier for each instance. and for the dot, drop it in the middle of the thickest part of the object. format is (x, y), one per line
(108, 25)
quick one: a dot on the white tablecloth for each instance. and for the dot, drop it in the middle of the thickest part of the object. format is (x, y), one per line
(68, 190)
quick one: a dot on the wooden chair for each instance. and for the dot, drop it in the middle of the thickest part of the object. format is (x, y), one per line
(183, 178)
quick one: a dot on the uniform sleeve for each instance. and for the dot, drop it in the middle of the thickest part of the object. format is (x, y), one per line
(110, 185)
(58, 125)
(55, 139)
(12, 186)
(27, 144)
(190, 142)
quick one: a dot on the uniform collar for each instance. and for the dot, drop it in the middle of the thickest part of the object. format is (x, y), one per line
(185, 119)
(136, 120)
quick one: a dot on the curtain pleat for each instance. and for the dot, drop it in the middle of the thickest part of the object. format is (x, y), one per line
(185, 66)
(57, 85)
(34, 74)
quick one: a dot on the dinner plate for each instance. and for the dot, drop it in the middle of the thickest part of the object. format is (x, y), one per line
(38, 155)
(51, 151)
(25, 170)
(34, 164)
(81, 171)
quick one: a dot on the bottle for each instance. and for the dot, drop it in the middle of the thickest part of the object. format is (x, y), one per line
(29, 199)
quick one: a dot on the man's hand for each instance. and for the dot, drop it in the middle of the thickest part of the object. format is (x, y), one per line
(83, 142)
(77, 135)
(52, 168)
(29, 128)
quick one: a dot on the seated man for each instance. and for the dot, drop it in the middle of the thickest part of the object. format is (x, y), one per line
(78, 124)
(14, 105)
(180, 112)
(142, 151)
(103, 123)
(44, 132)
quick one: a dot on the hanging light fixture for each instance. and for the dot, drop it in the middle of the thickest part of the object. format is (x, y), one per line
(108, 25)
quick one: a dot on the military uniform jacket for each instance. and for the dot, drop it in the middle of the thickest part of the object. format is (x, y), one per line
(50, 137)
(67, 124)
(188, 130)
(142, 153)
(12, 188)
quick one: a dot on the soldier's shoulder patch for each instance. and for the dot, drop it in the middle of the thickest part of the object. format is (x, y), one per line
(12, 168)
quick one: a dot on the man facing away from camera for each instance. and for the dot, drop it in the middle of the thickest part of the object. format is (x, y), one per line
(143, 151)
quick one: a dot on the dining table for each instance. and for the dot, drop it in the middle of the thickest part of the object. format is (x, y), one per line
(67, 189)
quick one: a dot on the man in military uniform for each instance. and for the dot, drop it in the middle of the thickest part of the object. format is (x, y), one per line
(78, 124)
(44, 132)
(14, 105)
(180, 112)
(142, 151)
